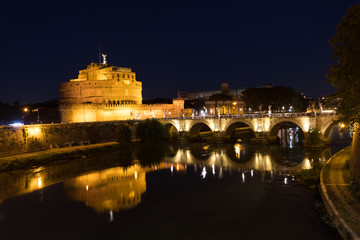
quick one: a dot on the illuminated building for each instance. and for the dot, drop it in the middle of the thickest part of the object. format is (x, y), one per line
(103, 92)
(217, 102)
(205, 94)
(102, 83)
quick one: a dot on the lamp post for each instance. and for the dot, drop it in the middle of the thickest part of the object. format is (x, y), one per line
(38, 117)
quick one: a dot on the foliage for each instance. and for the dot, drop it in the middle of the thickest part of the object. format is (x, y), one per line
(345, 73)
(9, 113)
(313, 138)
(150, 130)
(277, 97)
(123, 134)
(308, 176)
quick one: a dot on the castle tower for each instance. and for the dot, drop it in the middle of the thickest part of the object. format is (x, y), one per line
(102, 83)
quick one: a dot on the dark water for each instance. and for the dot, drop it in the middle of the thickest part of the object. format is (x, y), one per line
(195, 191)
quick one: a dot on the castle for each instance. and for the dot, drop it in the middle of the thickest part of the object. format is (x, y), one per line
(103, 92)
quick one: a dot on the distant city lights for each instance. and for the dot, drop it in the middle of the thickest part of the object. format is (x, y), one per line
(16, 124)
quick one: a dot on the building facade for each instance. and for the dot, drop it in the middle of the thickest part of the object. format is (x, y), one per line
(103, 92)
(217, 102)
(206, 94)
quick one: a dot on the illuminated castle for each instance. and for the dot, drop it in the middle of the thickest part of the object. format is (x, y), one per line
(103, 92)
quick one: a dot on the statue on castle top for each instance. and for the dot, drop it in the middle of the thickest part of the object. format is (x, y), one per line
(104, 59)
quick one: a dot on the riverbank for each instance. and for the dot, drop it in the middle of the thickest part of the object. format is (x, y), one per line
(20, 161)
(341, 203)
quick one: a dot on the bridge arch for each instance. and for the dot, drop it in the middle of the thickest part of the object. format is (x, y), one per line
(294, 127)
(196, 128)
(171, 122)
(335, 132)
(328, 129)
(278, 123)
(239, 129)
(170, 130)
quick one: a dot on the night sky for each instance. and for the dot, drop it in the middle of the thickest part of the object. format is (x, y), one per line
(171, 45)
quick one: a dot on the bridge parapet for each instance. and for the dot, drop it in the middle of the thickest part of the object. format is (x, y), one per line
(259, 123)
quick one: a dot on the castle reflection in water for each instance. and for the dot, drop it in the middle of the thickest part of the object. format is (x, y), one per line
(113, 189)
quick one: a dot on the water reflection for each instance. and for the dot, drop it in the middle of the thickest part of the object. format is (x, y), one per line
(289, 136)
(115, 181)
(110, 190)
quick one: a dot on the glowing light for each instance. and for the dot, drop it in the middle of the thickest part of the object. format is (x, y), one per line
(306, 164)
(285, 180)
(16, 124)
(213, 169)
(33, 131)
(203, 173)
(306, 126)
(266, 124)
(87, 187)
(342, 125)
(252, 173)
(243, 177)
(136, 175)
(237, 150)
(26, 109)
(111, 216)
(172, 168)
(39, 182)
(221, 172)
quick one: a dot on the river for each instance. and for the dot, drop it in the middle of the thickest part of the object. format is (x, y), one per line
(192, 191)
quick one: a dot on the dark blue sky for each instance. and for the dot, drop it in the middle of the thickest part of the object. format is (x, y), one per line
(171, 45)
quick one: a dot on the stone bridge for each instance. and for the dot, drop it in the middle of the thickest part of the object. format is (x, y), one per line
(262, 125)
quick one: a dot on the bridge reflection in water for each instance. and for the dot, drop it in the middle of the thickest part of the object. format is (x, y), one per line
(119, 188)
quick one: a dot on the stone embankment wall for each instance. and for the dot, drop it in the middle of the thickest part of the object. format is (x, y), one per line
(355, 154)
(14, 140)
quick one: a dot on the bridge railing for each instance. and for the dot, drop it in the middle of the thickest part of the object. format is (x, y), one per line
(255, 115)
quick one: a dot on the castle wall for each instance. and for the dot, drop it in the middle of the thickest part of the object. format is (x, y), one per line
(100, 92)
(111, 112)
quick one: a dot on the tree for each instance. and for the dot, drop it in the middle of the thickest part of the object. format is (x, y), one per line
(123, 134)
(313, 139)
(150, 130)
(277, 97)
(344, 75)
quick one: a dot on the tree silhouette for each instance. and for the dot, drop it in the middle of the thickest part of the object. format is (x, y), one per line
(344, 75)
